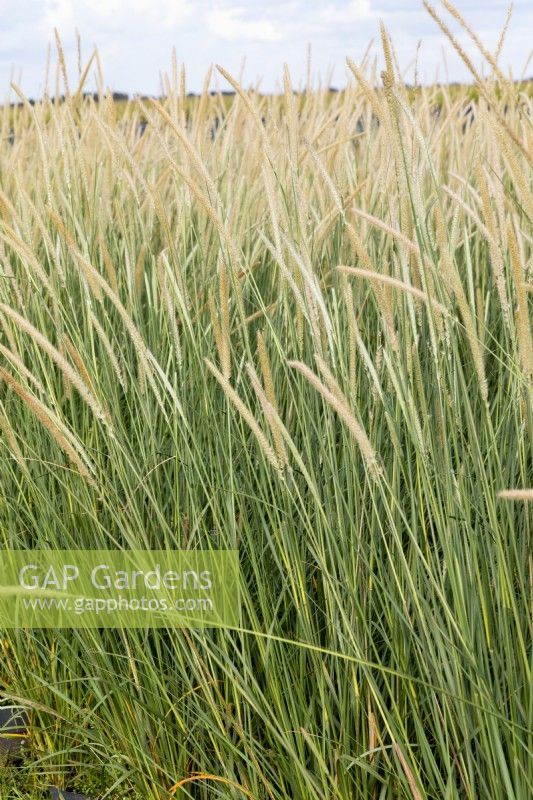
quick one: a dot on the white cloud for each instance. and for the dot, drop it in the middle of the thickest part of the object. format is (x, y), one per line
(114, 13)
(228, 23)
(341, 13)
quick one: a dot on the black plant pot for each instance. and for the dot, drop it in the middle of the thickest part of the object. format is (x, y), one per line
(60, 794)
(13, 732)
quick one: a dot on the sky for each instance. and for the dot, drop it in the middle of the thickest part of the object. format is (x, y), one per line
(252, 40)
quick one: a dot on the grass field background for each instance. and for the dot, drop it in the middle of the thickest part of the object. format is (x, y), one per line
(302, 331)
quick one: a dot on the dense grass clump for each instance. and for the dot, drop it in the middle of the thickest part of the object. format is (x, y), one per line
(302, 331)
